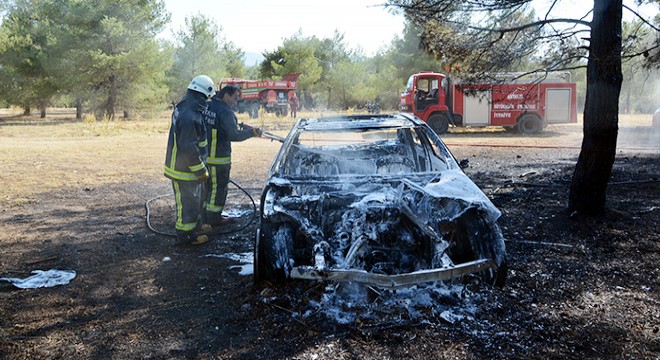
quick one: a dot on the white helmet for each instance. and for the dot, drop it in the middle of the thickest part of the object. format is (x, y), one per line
(202, 84)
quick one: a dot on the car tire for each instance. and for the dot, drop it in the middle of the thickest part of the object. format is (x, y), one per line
(481, 240)
(439, 123)
(272, 253)
(502, 272)
(529, 124)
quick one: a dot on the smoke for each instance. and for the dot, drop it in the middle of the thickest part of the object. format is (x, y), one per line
(637, 134)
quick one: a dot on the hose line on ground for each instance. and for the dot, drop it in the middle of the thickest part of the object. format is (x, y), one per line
(148, 214)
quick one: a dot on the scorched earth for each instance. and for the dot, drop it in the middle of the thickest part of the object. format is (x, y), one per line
(576, 289)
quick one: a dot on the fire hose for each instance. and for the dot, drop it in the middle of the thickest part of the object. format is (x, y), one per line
(272, 136)
(148, 214)
(264, 134)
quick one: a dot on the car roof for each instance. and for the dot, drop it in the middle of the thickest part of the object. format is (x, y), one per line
(359, 122)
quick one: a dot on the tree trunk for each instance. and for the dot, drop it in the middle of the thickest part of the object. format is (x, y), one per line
(78, 109)
(601, 111)
(27, 111)
(42, 112)
(110, 108)
(112, 99)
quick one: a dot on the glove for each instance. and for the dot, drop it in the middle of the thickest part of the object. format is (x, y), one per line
(257, 132)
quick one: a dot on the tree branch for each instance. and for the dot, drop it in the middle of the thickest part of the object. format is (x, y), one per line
(644, 52)
(641, 18)
(539, 23)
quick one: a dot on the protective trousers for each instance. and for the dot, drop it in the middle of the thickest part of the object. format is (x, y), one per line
(217, 192)
(188, 197)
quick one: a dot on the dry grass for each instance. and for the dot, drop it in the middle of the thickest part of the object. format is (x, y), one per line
(39, 155)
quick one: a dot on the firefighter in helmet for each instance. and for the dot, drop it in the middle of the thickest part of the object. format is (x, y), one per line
(185, 160)
(222, 128)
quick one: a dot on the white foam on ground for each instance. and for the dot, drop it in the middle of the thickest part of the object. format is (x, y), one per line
(246, 259)
(41, 278)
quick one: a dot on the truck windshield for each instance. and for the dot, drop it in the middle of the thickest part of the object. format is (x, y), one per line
(409, 84)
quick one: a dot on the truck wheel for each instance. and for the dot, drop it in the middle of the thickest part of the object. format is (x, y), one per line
(254, 110)
(439, 123)
(529, 124)
(272, 253)
(458, 119)
(510, 129)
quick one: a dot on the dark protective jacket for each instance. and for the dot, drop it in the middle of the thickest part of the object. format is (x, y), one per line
(187, 144)
(293, 102)
(221, 130)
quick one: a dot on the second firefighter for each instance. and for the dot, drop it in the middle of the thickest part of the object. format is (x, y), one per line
(221, 129)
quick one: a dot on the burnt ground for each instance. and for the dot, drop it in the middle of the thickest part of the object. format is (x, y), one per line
(577, 288)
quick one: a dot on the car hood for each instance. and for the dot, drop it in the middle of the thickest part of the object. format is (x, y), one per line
(453, 186)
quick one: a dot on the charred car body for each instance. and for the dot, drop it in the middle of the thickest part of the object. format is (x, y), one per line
(376, 199)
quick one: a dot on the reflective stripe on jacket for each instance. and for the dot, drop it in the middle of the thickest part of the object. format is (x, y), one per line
(187, 142)
(221, 130)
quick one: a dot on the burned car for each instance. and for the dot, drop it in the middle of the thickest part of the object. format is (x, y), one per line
(374, 199)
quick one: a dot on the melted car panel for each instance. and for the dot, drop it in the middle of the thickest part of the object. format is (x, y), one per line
(359, 199)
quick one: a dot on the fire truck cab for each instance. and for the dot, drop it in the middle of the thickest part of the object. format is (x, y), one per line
(521, 102)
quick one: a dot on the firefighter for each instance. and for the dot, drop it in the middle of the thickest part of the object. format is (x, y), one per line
(293, 104)
(222, 128)
(187, 149)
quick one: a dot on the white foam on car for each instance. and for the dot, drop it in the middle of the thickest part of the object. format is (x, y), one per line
(348, 303)
(454, 184)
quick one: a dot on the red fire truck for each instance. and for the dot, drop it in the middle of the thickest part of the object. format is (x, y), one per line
(525, 103)
(271, 95)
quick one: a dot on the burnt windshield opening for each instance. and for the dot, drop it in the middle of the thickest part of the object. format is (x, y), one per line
(364, 151)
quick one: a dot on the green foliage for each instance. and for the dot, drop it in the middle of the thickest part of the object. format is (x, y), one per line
(201, 50)
(122, 57)
(94, 51)
(408, 53)
(336, 77)
(103, 56)
(299, 56)
(266, 69)
(27, 43)
(347, 80)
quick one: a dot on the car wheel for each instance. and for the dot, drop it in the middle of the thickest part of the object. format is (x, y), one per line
(502, 271)
(439, 123)
(529, 124)
(272, 253)
(477, 239)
